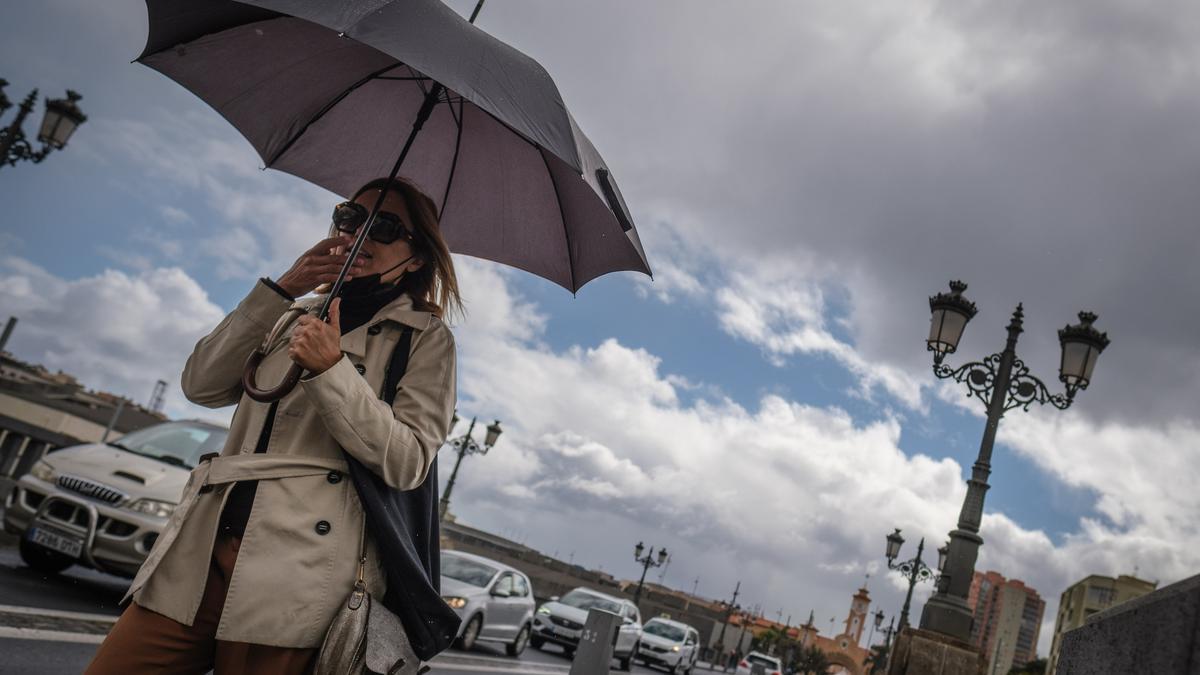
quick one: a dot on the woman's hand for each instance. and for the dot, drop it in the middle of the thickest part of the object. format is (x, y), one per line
(319, 265)
(316, 345)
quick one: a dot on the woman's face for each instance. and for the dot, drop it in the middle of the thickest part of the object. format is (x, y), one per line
(377, 257)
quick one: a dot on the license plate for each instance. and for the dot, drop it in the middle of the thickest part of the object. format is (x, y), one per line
(56, 542)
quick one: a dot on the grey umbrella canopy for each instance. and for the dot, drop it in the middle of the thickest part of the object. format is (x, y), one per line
(328, 91)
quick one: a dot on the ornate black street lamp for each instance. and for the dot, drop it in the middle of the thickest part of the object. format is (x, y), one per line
(913, 570)
(466, 445)
(1002, 382)
(62, 118)
(647, 561)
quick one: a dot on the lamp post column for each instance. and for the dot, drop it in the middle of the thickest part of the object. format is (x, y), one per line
(637, 595)
(947, 612)
(444, 504)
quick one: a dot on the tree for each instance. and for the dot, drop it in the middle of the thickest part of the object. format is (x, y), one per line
(1035, 667)
(768, 638)
(812, 661)
(877, 660)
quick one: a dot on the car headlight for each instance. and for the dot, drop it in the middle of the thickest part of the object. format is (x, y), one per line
(42, 471)
(675, 648)
(544, 610)
(456, 603)
(152, 507)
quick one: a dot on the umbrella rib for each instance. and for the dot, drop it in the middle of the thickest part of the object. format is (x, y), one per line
(459, 119)
(562, 217)
(326, 108)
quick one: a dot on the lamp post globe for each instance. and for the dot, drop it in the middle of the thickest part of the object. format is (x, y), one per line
(894, 542)
(493, 434)
(1081, 347)
(950, 313)
(62, 117)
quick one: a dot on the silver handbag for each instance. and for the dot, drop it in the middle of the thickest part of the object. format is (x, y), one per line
(365, 638)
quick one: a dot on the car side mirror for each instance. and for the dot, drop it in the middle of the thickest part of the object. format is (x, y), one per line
(554, 598)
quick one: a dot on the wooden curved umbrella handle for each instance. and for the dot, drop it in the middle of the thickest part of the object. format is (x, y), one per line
(268, 395)
(256, 358)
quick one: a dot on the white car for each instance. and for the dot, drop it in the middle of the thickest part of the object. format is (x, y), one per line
(104, 504)
(561, 622)
(670, 644)
(769, 665)
(495, 601)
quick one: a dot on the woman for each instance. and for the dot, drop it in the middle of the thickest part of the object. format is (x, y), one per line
(263, 550)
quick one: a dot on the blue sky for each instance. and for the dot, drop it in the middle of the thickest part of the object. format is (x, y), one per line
(794, 241)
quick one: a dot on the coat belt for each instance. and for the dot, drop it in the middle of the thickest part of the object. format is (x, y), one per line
(257, 466)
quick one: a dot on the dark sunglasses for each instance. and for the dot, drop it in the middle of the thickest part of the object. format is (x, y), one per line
(388, 227)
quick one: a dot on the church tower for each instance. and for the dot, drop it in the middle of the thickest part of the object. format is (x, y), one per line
(856, 620)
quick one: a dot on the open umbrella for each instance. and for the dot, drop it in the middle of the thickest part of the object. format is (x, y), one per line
(338, 93)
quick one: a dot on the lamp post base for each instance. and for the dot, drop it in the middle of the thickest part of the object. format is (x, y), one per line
(948, 615)
(920, 652)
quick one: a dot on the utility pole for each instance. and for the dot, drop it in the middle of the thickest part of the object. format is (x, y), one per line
(728, 614)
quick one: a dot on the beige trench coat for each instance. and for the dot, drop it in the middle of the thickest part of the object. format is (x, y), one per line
(290, 578)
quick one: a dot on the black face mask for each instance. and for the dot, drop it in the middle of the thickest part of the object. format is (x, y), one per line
(365, 286)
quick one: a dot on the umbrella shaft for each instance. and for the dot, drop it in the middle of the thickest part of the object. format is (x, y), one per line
(427, 106)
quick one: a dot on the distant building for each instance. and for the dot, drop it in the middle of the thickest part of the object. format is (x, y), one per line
(1088, 596)
(843, 650)
(1007, 617)
(41, 411)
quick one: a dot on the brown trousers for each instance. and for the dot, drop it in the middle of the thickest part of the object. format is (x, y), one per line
(143, 641)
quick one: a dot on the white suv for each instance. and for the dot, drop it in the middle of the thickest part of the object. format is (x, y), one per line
(104, 504)
(562, 619)
(671, 644)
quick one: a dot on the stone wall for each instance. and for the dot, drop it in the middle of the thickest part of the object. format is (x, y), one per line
(1156, 633)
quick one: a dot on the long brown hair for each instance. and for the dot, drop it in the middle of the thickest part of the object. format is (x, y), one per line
(434, 287)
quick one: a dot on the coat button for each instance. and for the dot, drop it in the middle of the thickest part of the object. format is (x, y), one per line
(360, 368)
(323, 527)
(375, 330)
(334, 477)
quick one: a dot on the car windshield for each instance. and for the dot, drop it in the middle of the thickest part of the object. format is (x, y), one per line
(584, 600)
(178, 443)
(467, 571)
(666, 630)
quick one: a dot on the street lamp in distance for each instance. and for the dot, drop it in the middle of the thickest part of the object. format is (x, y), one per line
(466, 445)
(913, 570)
(61, 119)
(647, 561)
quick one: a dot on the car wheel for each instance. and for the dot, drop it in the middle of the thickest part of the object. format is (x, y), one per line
(536, 642)
(517, 646)
(470, 634)
(569, 652)
(43, 559)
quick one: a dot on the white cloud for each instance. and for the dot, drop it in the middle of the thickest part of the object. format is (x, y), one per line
(114, 331)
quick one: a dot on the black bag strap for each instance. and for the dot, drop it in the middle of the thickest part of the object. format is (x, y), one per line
(397, 366)
(405, 528)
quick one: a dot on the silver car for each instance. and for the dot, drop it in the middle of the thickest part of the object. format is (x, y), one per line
(494, 600)
(561, 622)
(104, 505)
